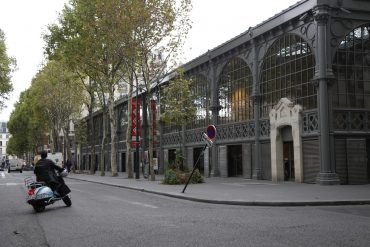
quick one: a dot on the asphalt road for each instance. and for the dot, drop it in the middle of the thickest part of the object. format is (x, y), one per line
(108, 216)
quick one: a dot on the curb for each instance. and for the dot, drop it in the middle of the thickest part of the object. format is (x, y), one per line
(239, 203)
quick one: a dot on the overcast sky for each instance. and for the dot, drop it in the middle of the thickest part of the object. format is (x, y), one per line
(214, 22)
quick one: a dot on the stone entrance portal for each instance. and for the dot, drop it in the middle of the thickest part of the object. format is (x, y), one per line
(285, 114)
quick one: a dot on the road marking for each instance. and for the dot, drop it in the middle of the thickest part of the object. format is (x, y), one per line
(246, 184)
(3, 174)
(11, 184)
(143, 204)
(81, 191)
(132, 202)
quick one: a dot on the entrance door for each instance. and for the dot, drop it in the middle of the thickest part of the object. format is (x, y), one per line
(368, 158)
(288, 155)
(357, 161)
(96, 162)
(123, 162)
(88, 168)
(198, 155)
(172, 157)
(234, 161)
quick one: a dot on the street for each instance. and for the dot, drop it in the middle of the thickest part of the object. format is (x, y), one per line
(109, 216)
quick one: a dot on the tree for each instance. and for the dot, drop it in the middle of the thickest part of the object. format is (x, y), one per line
(178, 103)
(97, 35)
(114, 39)
(90, 103)
(163, 27)
(130, 173)
(60, 98)
(25, 126)
(7, 66)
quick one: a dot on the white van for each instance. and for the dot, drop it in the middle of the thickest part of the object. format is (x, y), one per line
(57, 158)
(15, 165)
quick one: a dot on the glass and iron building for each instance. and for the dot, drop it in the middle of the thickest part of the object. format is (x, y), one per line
(290, 99)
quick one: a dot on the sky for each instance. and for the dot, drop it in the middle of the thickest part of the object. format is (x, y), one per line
(213, 23)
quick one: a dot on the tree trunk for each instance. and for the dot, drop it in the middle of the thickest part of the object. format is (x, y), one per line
(92, 138)
(67, 142)
(113, 134)
(56, 140)
(130, 173)
(102, 148)
(53, 140)
(183, 149)
(150, 123)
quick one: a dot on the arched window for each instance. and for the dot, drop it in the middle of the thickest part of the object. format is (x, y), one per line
(201, 94)
(351, 67)
(235, 89)
(288, 69)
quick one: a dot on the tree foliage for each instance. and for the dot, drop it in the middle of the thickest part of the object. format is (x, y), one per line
(163, 27)
(57, 96)
(113, 41)
(7, 66)
(177, 101)
(26, 126)
(46, 107)
(95, 36)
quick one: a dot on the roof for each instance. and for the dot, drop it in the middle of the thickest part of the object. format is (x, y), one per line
(285, 15)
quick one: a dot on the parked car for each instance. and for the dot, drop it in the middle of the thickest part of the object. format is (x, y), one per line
(15, 165)
(28, 167)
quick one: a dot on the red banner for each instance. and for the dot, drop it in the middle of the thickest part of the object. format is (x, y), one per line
(135, 127)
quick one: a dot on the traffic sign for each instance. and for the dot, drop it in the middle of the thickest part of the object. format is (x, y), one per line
(211, 131)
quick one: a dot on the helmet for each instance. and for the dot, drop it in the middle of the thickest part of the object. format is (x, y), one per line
(64, 173)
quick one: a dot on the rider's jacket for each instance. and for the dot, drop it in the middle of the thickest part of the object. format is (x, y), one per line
(45, 171)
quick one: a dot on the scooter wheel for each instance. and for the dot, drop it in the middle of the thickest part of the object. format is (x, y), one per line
(67, 201)
(39, 208)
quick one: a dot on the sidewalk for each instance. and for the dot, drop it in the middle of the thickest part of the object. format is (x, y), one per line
(239, 191)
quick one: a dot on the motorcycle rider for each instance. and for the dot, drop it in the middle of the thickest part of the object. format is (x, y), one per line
(45, 172)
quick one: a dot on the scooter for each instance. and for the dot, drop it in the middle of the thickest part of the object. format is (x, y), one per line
(39, 195)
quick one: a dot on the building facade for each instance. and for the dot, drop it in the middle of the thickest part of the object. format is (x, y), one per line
(290, 99)
(4, 138)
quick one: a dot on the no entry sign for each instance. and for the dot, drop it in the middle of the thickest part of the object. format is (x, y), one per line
(211, 131)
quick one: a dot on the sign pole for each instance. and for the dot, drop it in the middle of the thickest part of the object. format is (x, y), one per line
(195, 167)
(209, 143)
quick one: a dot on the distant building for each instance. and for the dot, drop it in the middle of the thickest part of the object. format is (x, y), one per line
(4, 138)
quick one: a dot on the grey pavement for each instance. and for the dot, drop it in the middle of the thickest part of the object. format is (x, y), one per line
(239, 191)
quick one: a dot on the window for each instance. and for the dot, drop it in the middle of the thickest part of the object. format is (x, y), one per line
(351, 67)
(235, 89)
(287, 71)
(201, 94)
